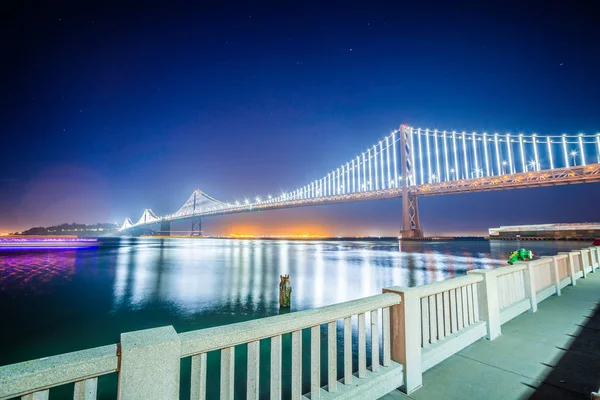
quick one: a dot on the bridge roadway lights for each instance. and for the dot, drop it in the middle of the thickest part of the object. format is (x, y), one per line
(165, 228)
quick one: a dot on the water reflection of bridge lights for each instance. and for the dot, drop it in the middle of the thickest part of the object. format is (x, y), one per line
(241, 276)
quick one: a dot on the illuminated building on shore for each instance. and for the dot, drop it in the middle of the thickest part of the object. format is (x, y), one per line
(547, 231)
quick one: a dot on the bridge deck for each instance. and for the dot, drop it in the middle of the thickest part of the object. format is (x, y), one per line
(551, 354)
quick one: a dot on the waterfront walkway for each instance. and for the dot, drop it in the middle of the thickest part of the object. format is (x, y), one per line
(551, 354)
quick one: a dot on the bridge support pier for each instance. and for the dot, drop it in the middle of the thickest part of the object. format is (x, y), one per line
(196, 226)
(165, 228)
(411, 227)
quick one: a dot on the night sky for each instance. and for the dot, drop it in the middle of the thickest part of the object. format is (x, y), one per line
(111, 109)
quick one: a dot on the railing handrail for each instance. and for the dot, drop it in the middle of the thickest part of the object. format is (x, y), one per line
(219, 337)
(439, 287)
(30, 376)
(509, 269)
(557, 256)
(540, 261)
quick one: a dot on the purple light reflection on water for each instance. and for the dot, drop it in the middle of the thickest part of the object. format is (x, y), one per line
(12, 248)
(36, 272)
(38, 240)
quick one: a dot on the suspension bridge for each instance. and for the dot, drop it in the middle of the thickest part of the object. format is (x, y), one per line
(414, 162)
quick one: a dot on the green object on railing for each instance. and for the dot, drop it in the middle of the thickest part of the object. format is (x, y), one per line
(520, 255)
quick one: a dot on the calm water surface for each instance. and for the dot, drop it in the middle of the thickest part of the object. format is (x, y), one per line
(56, 301)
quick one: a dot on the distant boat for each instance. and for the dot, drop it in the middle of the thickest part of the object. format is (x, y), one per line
(44, 242)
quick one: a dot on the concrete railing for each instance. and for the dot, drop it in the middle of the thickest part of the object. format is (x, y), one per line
(384, 376)
(432, 322)
(148, 361)
(32, 379)
(416, 328)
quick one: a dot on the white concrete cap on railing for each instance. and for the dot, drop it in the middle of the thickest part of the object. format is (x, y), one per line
(150, 364)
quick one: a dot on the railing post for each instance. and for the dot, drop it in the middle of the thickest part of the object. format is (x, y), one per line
(489, 307)
(593, 258)
(571, 266)
(530, 284)
(149, 364)
(597, 249)
(554, 273)
(585, 261)
(578, 253)
(405, 325)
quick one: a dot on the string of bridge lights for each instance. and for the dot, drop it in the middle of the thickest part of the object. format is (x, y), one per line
(480, 154)
(434, 156)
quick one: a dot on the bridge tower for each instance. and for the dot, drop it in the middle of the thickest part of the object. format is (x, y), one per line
(196, 221)
(411, 227)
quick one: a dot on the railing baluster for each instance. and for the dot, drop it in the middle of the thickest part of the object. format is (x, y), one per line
(347, 351)
(465, 305)
(425, 322)
(296, 365)
(86, 389)
(447, 313)
(198, 377)
(530, 287)
(41, 395)
(387, 349)
(454, 311)
(475, 302)
(374, 340)
(227, 372)
(500, 294)
(332, 356)
(362, 346)
(315, 362)
(503, 293)
(471, 304)
(253, 370)
(518, 287)
(459, 307)
(520, 279)
(276, 367)
(439, 306)
(432, 319)
(514, 298)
